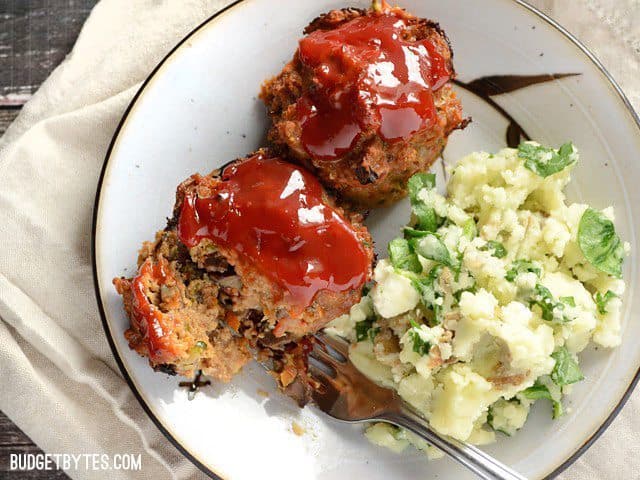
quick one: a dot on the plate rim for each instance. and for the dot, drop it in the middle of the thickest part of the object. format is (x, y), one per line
(192, 457)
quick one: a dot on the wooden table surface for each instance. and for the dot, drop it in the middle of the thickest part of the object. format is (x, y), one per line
(35, 36)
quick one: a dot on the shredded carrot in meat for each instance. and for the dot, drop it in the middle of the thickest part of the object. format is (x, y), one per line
(232, 320)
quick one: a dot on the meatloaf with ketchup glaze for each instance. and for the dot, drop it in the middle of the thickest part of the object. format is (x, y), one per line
(366, 101)
(256, 257)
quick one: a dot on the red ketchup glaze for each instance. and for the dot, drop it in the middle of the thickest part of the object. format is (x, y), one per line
(367, 76)
(148, 319)
(272, 214)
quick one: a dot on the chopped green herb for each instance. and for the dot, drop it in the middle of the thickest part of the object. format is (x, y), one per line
(538, 391)
(568, 301)
(431, 247)
(469, 229)
(566, 370)
(498, 249)
(544, 300)
(364, 328)
(373, 332)
(550, 309)
(522, 266)
(413, 323)
(599, 242)
(547, 161)
(413, 233)
(557, 409)
(198, 348)
(419, 181)
(490, 421)
(602, 300)
(459, 258)
(402, 257)
(457, 266)
(425, 217)
(458, 294)
(419, 345)
(426, 287)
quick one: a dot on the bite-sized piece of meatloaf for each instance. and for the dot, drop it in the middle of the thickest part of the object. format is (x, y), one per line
(176, 318)
(366, 101)
(256, 256)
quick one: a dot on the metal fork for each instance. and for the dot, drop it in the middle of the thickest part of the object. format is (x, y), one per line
(342, 392)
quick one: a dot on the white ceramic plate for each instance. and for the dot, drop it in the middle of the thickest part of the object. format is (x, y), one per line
(199, 110)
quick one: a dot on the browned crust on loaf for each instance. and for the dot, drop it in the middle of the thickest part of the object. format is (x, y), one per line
(374, 172)
(333, 19)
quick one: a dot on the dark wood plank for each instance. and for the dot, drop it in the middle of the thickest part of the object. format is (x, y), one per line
(7, 115)
(10, 434)
(35, 36)
(6, 474)
(13, 441)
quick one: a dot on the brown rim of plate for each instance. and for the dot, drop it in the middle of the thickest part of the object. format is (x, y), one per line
(191, 456)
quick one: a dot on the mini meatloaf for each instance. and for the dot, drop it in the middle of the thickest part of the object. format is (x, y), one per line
(256, 257)
(366, 101)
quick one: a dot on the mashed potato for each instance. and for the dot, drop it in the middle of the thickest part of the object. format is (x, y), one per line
(488, 297)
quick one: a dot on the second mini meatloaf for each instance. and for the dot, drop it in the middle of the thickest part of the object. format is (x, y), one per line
(366, 101)
(256, 257)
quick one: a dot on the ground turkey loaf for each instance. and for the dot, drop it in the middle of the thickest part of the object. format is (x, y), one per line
(366, 101)
(255, 257)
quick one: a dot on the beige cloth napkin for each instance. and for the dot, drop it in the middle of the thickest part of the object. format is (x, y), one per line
(59, 381)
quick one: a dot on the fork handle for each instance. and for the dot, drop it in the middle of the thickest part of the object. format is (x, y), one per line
(483, 465)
